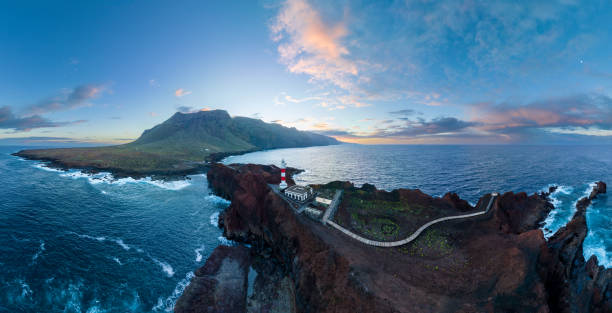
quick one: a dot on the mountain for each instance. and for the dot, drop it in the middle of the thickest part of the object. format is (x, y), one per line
(181, 145)
(208, 132)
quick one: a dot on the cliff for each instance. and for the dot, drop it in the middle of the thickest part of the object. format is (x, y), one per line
(498, 262)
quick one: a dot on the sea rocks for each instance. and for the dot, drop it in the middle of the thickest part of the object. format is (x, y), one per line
(517, 213)
(220, 285)
(575, 285)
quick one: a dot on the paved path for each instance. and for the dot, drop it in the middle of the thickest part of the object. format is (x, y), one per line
(331, 209)
(414, 235)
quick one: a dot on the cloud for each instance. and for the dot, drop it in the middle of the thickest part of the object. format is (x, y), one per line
(405, 112)
(581, 111)
(420, 127)
(185, 109)
(69, 99)
(308, 45)
(190, 109)
(8, 120)
(181, 92)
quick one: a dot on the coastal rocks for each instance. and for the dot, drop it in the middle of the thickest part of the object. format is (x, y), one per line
(517, 213)
(496, 262)
(220, 285)
(575, 285)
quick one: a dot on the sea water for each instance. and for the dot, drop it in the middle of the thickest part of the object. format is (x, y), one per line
(72, 242)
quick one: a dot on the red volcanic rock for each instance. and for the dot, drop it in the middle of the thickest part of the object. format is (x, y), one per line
(458, 203)
(220, 285)
(575, 285)
(517, 213)
(498, 262)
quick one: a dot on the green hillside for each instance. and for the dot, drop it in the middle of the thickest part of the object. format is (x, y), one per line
(182, 144)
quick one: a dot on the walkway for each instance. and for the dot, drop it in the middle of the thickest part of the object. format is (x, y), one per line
(415, 234)
(331, 209)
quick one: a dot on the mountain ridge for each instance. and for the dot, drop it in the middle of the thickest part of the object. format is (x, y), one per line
(181, 145)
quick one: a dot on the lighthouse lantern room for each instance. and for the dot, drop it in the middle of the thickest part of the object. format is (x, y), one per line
(283, 183)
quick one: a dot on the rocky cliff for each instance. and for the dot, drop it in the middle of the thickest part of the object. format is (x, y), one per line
(499, 262)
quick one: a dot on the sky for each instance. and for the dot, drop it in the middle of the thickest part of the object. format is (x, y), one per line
(373, 72)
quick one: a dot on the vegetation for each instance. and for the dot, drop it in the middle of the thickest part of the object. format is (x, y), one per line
(183, 143)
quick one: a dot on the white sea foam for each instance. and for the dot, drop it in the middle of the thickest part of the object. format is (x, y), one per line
(118, 241)
(600, 252)
(26, 291)
(214, 219)
(217, 199)
(108, 178)
(74, 298)
(168, 304)
(226, 242)
(198, 252)
(41, 248)
(95, 309)
(122, 244)
(43, 167)
(116, 259)
(167, 268)
(99, 238)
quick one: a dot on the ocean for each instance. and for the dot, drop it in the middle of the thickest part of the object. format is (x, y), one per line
(71, 242)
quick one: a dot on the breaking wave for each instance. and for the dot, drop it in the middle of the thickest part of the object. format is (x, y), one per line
(41, 248)
(226, 242)
(108, 178)
(167, 268)
(198, 252)
(214, 219)
(167, 304)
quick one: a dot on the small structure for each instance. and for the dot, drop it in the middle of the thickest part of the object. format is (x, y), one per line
(322, 200)
(299, 193)
(283, 183)
(313, 212)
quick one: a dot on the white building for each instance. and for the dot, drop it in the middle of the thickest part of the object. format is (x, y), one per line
(323, 200)
(300, 193)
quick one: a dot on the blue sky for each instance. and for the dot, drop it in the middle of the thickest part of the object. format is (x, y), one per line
(424, 72)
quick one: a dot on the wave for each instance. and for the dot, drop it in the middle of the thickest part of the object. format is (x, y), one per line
(214, 219)
(26, 291)
(168, 304)
(167, 268)
(217, 199)
(41, 248)
(108, 178)
(95, 309)
(226, 242)
(44, 167)
(116, 259)
(603, 258)
(198, 252)
(118, 241)
(122, 244)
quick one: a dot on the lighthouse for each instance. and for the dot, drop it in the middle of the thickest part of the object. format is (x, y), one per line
(283, 183)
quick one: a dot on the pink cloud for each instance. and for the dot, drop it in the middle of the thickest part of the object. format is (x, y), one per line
(181, 92)
(310, 46)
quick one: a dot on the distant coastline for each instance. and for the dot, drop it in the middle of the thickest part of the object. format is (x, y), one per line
(185, 144)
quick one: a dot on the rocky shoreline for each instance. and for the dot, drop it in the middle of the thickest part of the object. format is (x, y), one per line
(499, 262)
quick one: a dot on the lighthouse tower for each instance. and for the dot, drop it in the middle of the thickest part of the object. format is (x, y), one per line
(283, 183)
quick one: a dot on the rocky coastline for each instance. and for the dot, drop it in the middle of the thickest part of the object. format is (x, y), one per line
(498, 262)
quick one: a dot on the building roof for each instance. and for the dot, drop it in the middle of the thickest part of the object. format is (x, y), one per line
(298, 189)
